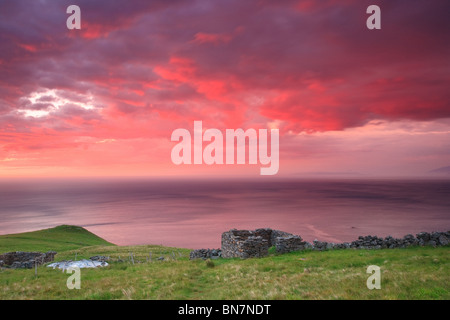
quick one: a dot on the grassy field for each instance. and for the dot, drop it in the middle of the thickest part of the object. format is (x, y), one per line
(412, 273)
(60, 239)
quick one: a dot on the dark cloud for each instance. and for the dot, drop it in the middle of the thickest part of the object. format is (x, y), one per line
(312, 64)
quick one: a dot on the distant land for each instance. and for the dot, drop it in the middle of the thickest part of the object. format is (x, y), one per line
(441, 171)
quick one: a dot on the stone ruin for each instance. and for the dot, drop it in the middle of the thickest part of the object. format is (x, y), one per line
(248, 244)
(25, 260)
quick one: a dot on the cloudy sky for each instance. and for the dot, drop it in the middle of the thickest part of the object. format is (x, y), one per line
(105, 99)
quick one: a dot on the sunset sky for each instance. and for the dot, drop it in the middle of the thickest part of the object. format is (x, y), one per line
(104, 100)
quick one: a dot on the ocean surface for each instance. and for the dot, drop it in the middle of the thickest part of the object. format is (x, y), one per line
(193, 214)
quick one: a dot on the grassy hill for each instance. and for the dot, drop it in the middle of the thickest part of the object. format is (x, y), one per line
(61, 238)
(412, 273)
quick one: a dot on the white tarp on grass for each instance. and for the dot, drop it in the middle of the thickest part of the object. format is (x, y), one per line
(80, 264)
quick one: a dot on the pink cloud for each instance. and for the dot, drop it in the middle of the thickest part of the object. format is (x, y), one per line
(202, 37)
(140, 71)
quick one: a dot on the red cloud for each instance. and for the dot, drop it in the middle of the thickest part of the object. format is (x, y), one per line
(202, 37)
(153, 66)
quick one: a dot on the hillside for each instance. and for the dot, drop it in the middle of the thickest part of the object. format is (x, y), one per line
(441, 171)
(157, 272)
(59, 239)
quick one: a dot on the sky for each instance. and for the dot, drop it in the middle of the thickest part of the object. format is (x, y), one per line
(105, 99)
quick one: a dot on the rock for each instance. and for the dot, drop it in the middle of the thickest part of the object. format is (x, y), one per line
(99, 258)
(409, 237)
(20, 259)
(432, 243)
(319, 245)
(424, 236)
(205, 254)
(17, 265)
(308, 246)
(435, 236)
(22, 264)
(289, 244)
(443, 240)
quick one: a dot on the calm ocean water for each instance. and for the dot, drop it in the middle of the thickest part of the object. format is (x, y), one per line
(193, 214)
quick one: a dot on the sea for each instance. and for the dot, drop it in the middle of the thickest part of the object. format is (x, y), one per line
(194, 213)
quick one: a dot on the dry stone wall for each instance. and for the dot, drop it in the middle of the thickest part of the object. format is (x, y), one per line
(205, 254)
(20, 259)
(248, 244)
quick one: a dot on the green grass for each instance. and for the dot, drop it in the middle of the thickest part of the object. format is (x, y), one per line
(412, 273)
(61, 238)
